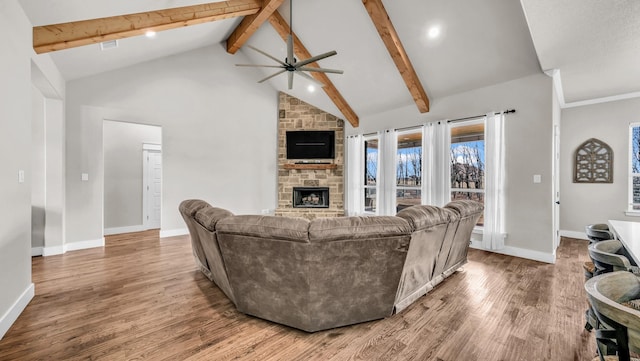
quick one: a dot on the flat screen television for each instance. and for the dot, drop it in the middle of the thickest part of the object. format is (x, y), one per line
(311, 144)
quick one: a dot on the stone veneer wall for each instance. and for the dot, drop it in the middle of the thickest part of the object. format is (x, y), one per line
(295, 114)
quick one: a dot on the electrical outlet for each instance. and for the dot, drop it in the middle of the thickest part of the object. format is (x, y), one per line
(85, 177)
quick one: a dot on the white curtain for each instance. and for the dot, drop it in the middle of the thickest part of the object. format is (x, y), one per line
(436, 144)
(387, 176)
(494, 199)
(355, 175)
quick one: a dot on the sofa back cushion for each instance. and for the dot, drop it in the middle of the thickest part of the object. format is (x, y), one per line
(269, 227)
(208, 217)
(356, 228)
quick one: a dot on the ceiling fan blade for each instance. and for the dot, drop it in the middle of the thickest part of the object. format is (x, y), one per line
(268, 56)
(312, 79)
(260, 66)
(315, 58)
(290, 80)
(271, 76)
(321, 70)
(290, 56)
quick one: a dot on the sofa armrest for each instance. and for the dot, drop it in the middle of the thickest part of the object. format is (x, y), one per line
(209, 217)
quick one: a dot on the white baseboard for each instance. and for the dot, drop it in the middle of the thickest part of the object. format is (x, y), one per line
(36, 251)
(52, 251)
(574, 234)
(16, 309)
(519, 252)
(73, 246)
(173, 232)
(128, 229)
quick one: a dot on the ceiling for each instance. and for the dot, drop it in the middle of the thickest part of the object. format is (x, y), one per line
(594, 44)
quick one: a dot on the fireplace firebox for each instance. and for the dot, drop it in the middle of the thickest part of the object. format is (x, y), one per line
(310, 197)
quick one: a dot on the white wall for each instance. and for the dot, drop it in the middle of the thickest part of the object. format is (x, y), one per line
(583, 203)
(528, 148)
(123, 171)
(219, 132)
(16, 288)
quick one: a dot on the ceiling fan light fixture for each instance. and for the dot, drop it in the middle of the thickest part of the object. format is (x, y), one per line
(290, 64)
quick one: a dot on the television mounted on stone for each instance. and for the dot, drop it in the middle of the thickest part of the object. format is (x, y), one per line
(311, 144)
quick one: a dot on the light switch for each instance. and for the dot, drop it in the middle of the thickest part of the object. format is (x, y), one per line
(537, 178)
(85, 177)
(20, 176)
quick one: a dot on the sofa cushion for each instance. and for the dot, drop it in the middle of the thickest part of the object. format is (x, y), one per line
(189, 207)
(284, 228)
(209, 216)
(421, 217)
(352, 228)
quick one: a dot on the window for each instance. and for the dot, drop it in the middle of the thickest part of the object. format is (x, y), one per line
(370, 173)
(634, 167)
(468, 162)
(409, 169)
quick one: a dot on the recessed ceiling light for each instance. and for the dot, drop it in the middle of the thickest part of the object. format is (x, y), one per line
(311, 88)
(434, 32)
(150, 34)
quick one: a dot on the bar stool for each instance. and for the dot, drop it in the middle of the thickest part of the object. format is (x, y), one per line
(598, 232)
(609, 256)
(617, 326)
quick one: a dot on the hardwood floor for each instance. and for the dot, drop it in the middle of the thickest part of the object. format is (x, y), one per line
(141, 298)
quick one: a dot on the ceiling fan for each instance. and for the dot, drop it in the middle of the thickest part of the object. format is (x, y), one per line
(290, 63)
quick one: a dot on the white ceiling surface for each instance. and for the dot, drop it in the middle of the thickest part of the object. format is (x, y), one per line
(594, 43)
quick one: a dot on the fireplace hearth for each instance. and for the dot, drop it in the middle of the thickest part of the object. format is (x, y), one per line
(310, 197)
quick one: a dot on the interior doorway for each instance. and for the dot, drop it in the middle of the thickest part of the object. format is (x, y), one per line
(132, 163)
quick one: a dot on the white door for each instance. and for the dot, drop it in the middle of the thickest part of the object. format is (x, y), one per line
(152, 189)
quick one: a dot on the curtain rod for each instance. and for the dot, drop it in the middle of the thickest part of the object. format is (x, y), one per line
(508, 111)
(480, 116)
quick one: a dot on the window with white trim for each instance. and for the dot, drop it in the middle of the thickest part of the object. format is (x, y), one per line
(468, 162)
(409, 169)
(371, 160)
(634, 167)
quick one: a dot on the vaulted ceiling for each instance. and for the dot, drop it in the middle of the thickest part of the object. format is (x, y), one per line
(389, 61)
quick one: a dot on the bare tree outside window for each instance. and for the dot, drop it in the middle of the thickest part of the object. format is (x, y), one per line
(409, 169)
(370, 174)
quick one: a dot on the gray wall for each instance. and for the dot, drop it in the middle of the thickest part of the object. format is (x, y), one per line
(582, 203)
(123, 171)
(15, 153)
(528, 148)
(219, 132)
(38, 167)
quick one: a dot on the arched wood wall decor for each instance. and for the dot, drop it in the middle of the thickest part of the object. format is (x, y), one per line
(593, 162)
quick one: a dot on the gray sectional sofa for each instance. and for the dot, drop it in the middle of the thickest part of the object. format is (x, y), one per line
(329, 272)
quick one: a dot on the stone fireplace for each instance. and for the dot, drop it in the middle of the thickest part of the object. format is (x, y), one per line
(318, 182)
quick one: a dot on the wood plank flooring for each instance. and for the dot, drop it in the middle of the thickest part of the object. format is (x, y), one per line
(141, 298)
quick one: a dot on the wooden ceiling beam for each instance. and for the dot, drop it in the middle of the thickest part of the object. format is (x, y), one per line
(78, 33)
(392, 41)
(281, 26)
(250, 24)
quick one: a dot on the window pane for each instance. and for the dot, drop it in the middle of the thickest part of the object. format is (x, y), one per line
(407, 198)
(370, 161)
(409, 166)
(474, 196)
(636, 193)
(369, 199)
(467, 157)
(635, 154)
